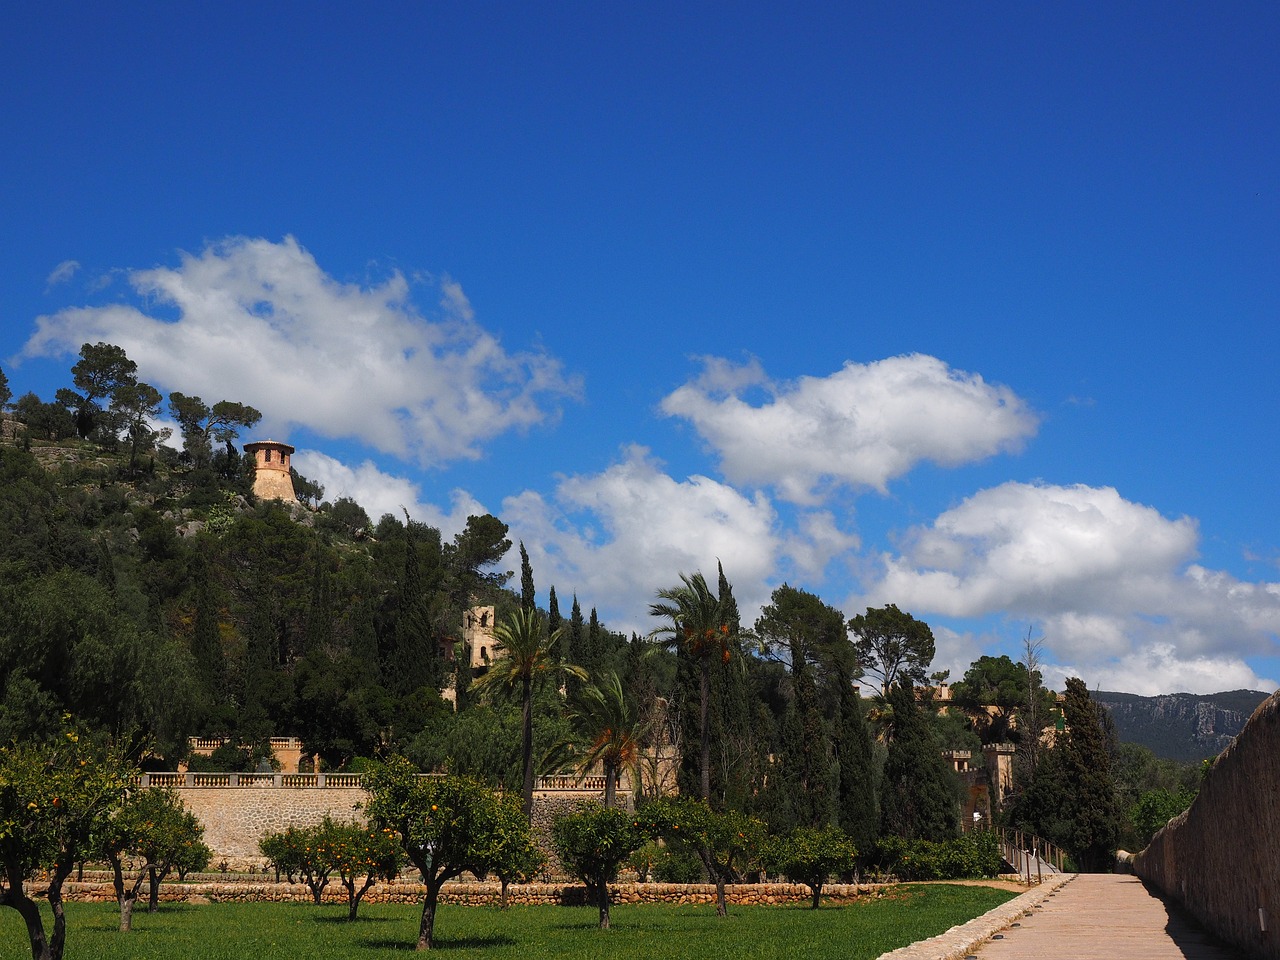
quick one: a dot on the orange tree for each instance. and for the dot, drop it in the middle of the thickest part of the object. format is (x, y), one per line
(154, 826)
(725, 841)
(55, 797)
(593, 842)
(446, 826)
(810, 855)
(512, 853)
(361, 856)
(301, 851)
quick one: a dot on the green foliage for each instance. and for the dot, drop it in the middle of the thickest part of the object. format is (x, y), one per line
(154, 827)
(969, 856)
(525, 654)
(1153, 810)
(726, 842)
(1071, 798)
(892, 645)
(56, 796)
(360, 855)
(609, 723)
(512, 854)
(918, 798)
(446, 825)
(702, 625)
(811, 856)
(302, 852)
(593, 843)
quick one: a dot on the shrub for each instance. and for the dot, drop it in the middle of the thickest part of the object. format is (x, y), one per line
(969, 856)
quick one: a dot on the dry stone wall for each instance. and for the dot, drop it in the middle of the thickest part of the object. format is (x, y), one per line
(487, 893)
(1221, 858)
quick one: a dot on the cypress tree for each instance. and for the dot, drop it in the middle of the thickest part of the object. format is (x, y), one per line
(855, 791)
(918, 797)
(1091, 806)
(528, 596)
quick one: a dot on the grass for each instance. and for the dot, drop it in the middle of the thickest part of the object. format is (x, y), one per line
(274, 931)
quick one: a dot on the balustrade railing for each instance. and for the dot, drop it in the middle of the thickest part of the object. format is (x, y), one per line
(332, 781)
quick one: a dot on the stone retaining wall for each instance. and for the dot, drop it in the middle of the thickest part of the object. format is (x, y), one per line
(483, 894)
(1220, 859)
(236, 818)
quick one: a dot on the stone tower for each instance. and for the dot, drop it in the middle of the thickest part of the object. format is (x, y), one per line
(272, 480)
(477, 636)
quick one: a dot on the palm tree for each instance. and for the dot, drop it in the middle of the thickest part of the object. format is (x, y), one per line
(607, 718)
(700, 624)
(524, 652)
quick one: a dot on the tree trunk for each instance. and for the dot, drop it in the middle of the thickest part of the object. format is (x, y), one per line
(703, 726)
(502, 896)
(602, 900)
(59, 938)
(428, 923)
(722, 904)
(154, 877)
(817, 895)
(126, 913)
(526, 691)
(29, 910)
(610, 784)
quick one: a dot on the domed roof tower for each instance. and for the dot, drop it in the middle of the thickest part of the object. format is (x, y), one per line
(271, 479)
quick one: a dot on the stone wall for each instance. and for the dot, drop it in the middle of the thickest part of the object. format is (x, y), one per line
(238, 810)
(487, 893)
(236, 818)
(1221, 858)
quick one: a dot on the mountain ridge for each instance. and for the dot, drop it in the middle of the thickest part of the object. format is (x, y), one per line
(1180, 726)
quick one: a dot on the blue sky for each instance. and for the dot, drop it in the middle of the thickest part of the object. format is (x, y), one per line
(968, 308)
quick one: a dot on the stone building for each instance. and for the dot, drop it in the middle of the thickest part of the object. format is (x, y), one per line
(272, 479)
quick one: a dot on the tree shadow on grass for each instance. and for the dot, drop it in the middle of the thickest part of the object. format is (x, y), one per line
(341, 919)
(442, 943)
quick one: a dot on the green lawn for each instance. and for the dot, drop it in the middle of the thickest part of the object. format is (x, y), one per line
(267, 931)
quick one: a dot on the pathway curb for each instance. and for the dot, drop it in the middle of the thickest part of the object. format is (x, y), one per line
(961, 941)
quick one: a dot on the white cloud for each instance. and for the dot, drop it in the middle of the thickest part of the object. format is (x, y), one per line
(380, 493)
(1110, 583)
(260, 322)
(862, 426)
(618, 536)
(62, 273)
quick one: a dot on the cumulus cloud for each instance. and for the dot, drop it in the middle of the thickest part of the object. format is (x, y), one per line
(1111, 583)
(862, 426)
(618, 536)
(380, 492)
(262, 323)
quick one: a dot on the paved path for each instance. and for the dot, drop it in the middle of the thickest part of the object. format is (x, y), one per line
(1104, 916)
(1075, 917)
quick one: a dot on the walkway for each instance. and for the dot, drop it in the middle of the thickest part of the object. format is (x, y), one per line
(1082, 917)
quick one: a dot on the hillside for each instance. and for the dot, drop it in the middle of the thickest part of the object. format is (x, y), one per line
(1181, 726)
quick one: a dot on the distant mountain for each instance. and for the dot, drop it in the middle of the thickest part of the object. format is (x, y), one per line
(1181, 726)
